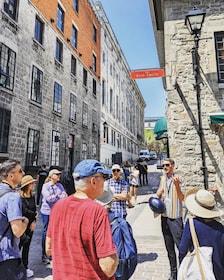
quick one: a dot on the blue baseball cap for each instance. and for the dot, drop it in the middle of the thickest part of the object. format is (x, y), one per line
(89, 167)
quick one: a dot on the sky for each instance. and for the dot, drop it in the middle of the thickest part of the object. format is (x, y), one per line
(132, 25)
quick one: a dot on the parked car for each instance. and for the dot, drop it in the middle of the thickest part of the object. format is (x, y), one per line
(144, 155)
(152, 155)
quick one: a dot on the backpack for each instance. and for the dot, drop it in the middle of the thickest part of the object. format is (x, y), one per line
(125, 245)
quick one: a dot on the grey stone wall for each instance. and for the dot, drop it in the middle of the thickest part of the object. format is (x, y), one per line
(182, 113)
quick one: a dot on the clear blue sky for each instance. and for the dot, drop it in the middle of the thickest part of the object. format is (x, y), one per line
(131, 23)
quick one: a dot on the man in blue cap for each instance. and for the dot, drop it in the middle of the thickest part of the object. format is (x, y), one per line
(79, 235)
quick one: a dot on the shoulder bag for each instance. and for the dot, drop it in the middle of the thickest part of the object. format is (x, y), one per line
(196, 265)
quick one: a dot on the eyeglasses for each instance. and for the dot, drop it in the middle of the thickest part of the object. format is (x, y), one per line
(166, 165)
(116, 170)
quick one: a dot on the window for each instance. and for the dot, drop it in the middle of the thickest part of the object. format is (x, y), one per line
(94, 118)
(94, 87)
(5, 116)
(94, 63)
(84, 77)
(73, 65)
(7, 62)
(103, 92)
(37, 85)
(60, 18)
(104, 57)
(11, 8)
(76, 5)
(39, 30)
(94, 150)
(94, 33)
(74, 36)
(55, 147)
(59, 50)
(111, 100)
(72, 107)
(219, 45)
(84, 151)
(85, 115)
(32, 147)
(57, 98)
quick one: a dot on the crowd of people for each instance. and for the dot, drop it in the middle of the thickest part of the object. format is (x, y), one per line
(88, 251)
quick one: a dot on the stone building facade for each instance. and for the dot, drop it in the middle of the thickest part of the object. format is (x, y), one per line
(175, 44)
(50, 82)
(122, 104)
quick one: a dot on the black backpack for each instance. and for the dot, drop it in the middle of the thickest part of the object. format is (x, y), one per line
(125, 245)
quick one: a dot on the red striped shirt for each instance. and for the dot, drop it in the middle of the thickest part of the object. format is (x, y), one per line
(80, 234)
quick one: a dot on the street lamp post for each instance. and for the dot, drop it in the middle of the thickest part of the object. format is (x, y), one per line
(194, 21)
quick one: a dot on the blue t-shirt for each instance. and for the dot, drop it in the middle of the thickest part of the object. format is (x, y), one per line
(10, 210)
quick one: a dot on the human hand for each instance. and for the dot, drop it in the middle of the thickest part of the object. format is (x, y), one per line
(33, 226)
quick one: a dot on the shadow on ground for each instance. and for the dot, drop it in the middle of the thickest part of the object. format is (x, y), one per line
(147, 257)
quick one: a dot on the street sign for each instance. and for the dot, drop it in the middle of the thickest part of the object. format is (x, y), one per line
(147, 73)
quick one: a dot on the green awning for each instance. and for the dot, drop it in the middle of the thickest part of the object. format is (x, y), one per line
(160, 129)
(217, 118)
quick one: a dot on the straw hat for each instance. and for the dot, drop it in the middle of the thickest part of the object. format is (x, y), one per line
(202, 204)
(26, 180)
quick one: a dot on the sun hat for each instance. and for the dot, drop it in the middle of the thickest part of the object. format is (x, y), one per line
(191, 191)
(116, 166)
(107, 195)
(26, 180)
(54, 171)
(89, 167)
(202, 204)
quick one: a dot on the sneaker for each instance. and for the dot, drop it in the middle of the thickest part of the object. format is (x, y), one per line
(45, 260)
(29, 272)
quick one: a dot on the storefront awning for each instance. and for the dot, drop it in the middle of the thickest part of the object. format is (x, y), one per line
(216, 118)
(160, 129)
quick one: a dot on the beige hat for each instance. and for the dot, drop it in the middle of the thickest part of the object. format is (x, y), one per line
(202, 204)
(54, 171)
(26, 180)
(107, 195)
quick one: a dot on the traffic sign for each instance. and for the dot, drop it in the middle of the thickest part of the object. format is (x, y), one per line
(147, 73)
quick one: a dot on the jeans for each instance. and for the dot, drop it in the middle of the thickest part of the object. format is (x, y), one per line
(45, 219)
(172, 231)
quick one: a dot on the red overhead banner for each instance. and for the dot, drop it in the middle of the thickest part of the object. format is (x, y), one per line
(147, 73)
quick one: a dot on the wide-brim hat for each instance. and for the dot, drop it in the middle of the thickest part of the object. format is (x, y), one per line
(26, 180)
(54, 171)
(202, 204)
(107, 195)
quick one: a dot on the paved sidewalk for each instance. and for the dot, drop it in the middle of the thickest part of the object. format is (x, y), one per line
(152, 257)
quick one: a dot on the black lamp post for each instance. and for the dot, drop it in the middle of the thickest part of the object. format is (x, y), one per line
(194, 21)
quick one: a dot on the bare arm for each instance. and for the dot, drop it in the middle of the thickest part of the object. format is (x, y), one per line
(121, 196)
(19, 226)
(177, 182)
(109, 265)
(48, 246)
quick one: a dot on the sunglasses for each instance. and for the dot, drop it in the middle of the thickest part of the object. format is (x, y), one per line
(116, 170)
(166, 165)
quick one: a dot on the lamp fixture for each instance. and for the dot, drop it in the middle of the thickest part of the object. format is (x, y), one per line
(194, 20)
